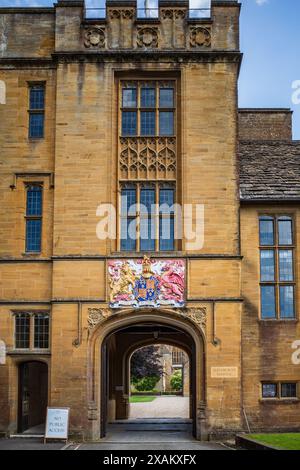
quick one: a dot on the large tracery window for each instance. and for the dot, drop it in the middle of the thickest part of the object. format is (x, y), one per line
(147, 165)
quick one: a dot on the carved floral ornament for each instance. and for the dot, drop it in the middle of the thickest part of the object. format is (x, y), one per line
(126, 14)
(200, 37)
(197, 315)
(173, 13)
(147, 37)
(94, 37)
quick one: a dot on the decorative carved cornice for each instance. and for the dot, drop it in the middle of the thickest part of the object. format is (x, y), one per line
(193, 56)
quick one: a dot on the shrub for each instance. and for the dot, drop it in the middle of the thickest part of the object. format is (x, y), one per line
(146, 384)
(176, 381)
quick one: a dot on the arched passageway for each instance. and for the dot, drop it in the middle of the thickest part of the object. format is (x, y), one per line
(117, 347)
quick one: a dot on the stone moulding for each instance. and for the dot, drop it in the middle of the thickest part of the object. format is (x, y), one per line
(94, 37)
(198, 315)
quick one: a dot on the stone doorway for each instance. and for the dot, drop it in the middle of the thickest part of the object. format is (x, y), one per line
(33, 395)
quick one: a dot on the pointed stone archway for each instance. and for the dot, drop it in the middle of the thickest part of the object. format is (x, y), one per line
(111, 344)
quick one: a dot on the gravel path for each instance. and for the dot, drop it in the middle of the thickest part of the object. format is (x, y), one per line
(161, 407)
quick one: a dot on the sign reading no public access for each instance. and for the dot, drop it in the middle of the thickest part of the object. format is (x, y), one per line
(57, 423)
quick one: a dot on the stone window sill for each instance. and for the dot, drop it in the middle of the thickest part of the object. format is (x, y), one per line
(29, 352)
(279, 401)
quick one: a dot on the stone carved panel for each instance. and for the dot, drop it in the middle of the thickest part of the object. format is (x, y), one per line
(169, 13)
(149, 158)
(96, 316)
(147, 37)
(196, 315)
(126, 14)
(200, 37)
(94, 37)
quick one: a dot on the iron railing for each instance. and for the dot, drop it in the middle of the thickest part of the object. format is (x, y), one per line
(148, 13)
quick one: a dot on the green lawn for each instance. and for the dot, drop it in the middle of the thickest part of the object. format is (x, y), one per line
(282, 441)
(141, 399)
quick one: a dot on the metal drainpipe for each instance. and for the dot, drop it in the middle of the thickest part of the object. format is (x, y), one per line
(77, 342)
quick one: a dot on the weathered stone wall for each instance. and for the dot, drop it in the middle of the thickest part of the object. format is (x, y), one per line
(27, 33)
(267, 345)
(264, 124)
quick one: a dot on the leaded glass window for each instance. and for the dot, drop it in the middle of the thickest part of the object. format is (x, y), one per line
(36, 111)
(32, 330)
(34, 196)
(148, 108)
(41, 331)
(22, 331)
(148, 210)
(277, 276)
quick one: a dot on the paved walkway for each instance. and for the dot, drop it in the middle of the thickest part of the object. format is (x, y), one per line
(161, 407)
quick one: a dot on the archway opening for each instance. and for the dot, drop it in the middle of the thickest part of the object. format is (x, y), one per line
(160, 383)
(33, 396)
(117, 349)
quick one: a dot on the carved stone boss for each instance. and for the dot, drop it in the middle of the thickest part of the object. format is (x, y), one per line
(200, 37)
(94, 37)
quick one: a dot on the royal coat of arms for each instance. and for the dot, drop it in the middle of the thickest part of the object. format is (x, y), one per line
(146, 283)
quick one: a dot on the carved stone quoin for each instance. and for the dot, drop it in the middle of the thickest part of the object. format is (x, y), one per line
(96, 316)
(147, 37)
(200, 37)
(94, 37)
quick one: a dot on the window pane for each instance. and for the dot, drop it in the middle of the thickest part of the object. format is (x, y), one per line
(268, 305)
(267, 265)
(166, 234)
(36, 125)
(147, 123)
(37, 97)
(266, 230)
(147, 201)
(128, 234)
(285, 232)
(41, 331)
(129, 123)
(147, 233)
(269, 390)
(286, 270)
(33, 235)
(289, 390)
(129, 97)
(166, 123)
(166, 98)
(34, 201)
(287, 302)
(166, 198)
(148, 98)
(128, 200)
(22, 331)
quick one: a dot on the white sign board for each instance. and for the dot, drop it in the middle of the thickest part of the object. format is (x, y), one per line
(2, 353)
(57, 423)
